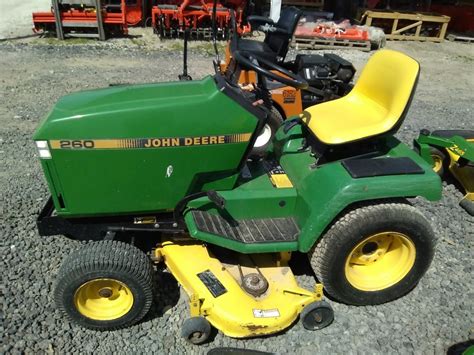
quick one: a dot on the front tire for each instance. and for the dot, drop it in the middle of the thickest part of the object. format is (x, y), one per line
(374, 254)
(105, 285)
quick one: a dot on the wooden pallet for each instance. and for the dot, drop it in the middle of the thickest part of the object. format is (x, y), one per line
(411, 20)
(453, 37)
(300, 42)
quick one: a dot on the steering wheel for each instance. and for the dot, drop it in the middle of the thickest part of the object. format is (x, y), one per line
(290, 79)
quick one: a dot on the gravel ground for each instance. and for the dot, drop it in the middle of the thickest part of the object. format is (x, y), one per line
(15, 16)
(34, 74)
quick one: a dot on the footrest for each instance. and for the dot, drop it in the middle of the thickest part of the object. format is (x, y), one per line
(248, 231)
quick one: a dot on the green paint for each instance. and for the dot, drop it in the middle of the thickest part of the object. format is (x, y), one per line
(456, 144)
(324, 192)
(319, 194)
(114, 181)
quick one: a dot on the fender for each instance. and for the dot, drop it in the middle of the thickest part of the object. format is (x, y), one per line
(324, 192)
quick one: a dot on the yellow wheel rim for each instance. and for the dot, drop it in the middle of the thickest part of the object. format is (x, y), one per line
(103, 299)
(380, 261)
(437, 163)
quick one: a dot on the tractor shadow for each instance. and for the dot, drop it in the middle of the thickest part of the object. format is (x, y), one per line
(300, 265)
(166, 288)
(166, 295)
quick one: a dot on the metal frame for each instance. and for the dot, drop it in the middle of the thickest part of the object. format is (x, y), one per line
(97, 228)
(100, 22)
(101, 18)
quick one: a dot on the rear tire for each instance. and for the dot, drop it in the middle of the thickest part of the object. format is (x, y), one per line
(266, 136)
(105, 285)
(374, 254)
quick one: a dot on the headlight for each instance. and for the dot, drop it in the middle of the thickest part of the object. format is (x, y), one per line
(43, 149)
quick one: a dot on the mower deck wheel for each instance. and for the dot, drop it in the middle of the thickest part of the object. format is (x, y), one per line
(468, 206)
(440, 160)
(196, 330)
(374, 253)
(317, 315)
(105, 285)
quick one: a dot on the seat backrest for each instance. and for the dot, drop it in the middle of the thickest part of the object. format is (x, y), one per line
(389, 79)
(288, 21)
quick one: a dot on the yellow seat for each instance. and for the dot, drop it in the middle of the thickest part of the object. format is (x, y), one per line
(377, 104)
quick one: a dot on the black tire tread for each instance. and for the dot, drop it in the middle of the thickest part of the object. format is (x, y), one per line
(310, 307)
(110, 255)
(444, 158)
(194, 324)
(468, 206)
(333, 239)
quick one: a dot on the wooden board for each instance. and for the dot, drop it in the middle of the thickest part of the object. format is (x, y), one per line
(300, 42)
(417, 21)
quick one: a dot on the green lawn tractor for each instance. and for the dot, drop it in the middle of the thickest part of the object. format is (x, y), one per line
(168, 163)
(451, 152)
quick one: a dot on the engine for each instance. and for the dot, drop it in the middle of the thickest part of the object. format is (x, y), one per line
(329, 73)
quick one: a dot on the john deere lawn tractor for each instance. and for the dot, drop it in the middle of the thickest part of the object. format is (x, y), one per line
(168, 163)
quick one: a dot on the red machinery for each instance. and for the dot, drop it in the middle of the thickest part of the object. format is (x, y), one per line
(171, 17)
(80, 18)
(81, 15)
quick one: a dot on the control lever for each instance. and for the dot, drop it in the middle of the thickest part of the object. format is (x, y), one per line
(185, 76)
(217, 199)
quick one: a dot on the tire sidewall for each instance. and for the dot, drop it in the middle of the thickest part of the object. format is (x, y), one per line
(424, 253)
(69, 290)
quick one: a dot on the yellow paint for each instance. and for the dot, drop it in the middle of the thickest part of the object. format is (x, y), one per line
(374, 105)
(380, 261)
(465, 174)
(103, 299)
(234, 311)
(437, 162)
(280, 181)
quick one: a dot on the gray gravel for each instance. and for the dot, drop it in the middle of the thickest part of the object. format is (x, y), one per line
(435, 315)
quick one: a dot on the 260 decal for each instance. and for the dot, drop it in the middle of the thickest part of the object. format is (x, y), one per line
(76, 144)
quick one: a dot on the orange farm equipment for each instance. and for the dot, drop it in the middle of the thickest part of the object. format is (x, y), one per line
(169, 18)
(172, 17)
(78, 18)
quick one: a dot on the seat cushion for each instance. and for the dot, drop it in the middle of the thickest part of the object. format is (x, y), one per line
(259, 48)
(377, 104)
(347, 119)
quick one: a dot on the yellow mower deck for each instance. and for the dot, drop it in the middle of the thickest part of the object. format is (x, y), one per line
(465, 175)
(215, 292)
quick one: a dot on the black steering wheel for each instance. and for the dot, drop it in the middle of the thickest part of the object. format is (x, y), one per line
(245, 59)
